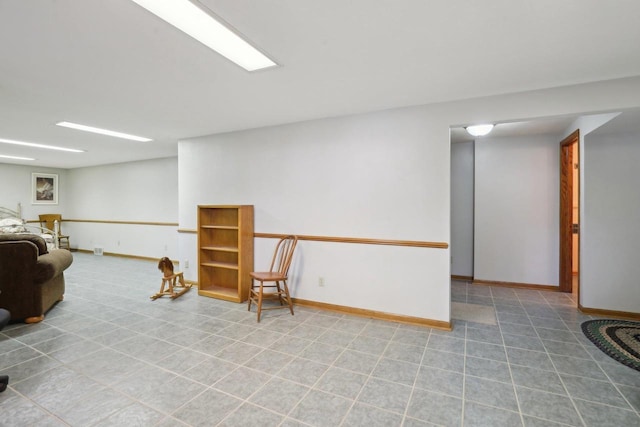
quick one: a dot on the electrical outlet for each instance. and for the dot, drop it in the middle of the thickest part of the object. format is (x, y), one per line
(186, 263)
(320, 281)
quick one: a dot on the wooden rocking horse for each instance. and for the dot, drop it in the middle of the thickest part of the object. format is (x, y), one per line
(174, 282)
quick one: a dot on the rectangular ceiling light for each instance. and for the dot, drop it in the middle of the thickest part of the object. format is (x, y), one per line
(2, 156)
(31, 144)
(203, 26)
(103, 131)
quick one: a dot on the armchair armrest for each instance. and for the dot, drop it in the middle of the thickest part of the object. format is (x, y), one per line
(52, 264)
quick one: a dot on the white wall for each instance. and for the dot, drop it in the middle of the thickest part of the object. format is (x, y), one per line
(585, 124)
(338, 177)
(15, 187)
(145, 191)
(379, 175)
(368, 176)
(516, 209)
(609, 267)
(462, 165)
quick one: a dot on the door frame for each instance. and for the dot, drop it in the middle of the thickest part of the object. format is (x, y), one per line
(565, 281)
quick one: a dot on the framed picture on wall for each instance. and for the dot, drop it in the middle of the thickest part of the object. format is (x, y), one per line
(44, 188)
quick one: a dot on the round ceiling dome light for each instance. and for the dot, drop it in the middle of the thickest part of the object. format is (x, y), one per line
(479, 130)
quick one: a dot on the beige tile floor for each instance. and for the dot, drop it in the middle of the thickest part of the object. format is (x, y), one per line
(109, 356)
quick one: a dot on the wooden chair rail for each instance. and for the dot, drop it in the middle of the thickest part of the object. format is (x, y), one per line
(103, 221)
(360, 240)
(331, 239)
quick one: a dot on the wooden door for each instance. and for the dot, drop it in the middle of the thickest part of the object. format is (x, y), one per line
(566, 210)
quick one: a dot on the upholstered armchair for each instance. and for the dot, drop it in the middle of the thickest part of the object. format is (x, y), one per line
(31, 276)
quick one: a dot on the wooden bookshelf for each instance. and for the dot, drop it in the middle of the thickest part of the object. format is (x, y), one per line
(225, 251)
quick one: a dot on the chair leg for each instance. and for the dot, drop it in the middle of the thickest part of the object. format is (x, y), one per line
(260, 301)
(279, 293)
(250, 295)
(66, 245)
(286, 291)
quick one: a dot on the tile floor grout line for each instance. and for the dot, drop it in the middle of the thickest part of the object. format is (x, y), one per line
(311, 387)
(612, 382)
(464, 375)
(415, 380)
(369, 376)
(513, 381)
(574, 406)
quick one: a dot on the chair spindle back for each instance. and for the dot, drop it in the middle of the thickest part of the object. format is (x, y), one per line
(283, 255)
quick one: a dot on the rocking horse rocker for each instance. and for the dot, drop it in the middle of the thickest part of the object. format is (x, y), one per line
(174, 282)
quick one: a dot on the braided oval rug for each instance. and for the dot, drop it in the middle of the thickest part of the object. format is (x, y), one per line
(620, 339)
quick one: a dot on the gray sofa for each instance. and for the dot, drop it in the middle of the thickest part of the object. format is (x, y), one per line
(31, 277)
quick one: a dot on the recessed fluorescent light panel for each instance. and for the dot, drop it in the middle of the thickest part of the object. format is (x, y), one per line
(2, 156)
(103, 131)
(31, 144)
(202, 26)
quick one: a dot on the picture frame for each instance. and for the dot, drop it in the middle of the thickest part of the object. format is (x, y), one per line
(44, 188)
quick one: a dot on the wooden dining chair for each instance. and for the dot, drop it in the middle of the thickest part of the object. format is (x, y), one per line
(48, 221)
(277, 275)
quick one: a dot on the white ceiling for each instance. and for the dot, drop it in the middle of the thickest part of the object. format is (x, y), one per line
(112, 64)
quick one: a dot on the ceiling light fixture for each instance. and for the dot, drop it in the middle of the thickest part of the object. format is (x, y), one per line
(203, 26)
(31, 144)
(103, 131)
(479, 130)
(15, 157)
